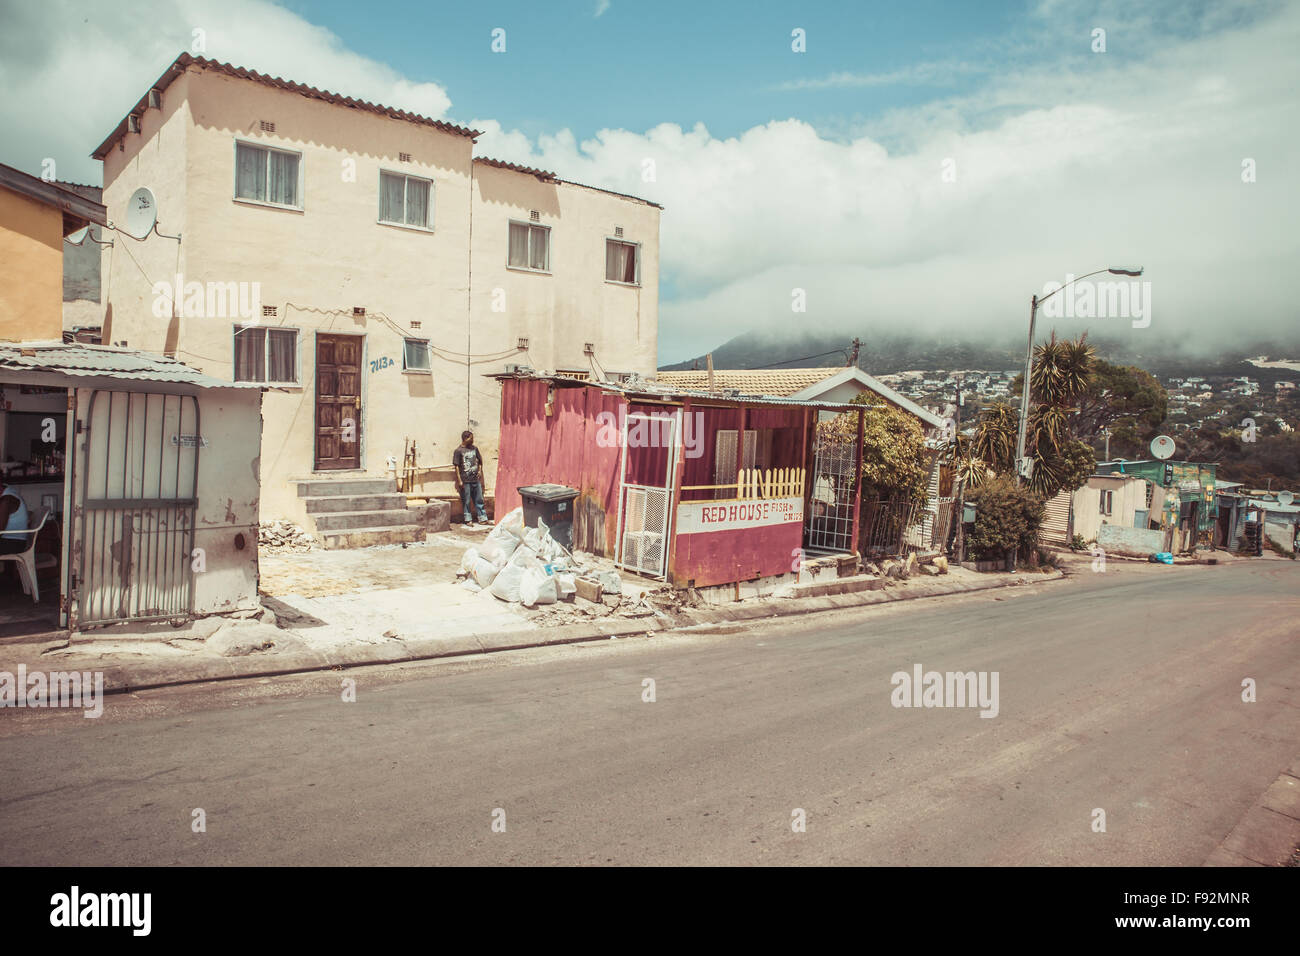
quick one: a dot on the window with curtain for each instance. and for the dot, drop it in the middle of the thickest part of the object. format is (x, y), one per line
(415, 357)
(758, 453)
(267, 175)
(530, 247)
(622, 261)
(265, 355)
(405, 200)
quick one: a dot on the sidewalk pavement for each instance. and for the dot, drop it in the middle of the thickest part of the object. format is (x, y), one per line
(1269, 832)
(338, 609)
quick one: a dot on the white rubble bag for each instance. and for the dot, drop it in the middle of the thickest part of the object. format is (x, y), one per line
(566, 584)
(467, 560)
(513, 523)
(540, 540)
(506, 584)
(484, 572)
(499, 541)
(537, 587)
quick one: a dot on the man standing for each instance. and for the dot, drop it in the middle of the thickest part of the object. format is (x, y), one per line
(469, 477)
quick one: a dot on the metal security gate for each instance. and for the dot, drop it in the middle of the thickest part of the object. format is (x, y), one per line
(139, 476)
(644, 508)
(829, 527)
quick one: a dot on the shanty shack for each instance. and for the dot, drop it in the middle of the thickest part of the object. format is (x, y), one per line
(700, 489)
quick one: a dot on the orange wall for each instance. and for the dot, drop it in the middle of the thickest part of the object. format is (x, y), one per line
(31, 269)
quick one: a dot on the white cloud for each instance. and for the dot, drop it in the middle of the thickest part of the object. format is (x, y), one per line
(601, 6)
(1068, 167)
(1132, 156)
(71, 70)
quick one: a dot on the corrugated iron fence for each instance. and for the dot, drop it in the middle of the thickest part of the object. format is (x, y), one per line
(893, 527)
(140, 478)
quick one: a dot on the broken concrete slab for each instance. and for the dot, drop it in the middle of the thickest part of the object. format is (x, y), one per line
(239, 638)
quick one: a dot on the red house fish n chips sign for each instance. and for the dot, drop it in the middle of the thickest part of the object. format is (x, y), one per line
(699, 517)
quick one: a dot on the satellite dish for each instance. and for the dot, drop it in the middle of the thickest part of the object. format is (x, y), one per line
(1162, 446)
(78, 237)
(1285, 497)
(141, 213)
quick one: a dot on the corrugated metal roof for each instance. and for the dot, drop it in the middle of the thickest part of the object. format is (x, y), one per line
(77, 209)
(767, 381)
(95, 361)
(791, 381)
(549, 177)
(658, 392)
(542, 174)
(185, 60)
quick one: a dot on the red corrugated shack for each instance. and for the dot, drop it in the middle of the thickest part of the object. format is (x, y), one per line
(697, 488)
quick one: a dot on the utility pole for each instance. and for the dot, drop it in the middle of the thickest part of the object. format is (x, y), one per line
(853, 352)
(959, 490)
(1106, 431)
(1024, 392)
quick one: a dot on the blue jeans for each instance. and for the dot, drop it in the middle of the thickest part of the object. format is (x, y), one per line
(472, 491)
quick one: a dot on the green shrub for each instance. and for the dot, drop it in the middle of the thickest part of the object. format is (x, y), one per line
(1006, 517)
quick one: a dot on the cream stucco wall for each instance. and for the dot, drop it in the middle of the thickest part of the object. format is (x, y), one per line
(229, 505)
(31, 269)
(226, 485)
(560, 311)
(316, 264)
(155, 158)
(1130, 496)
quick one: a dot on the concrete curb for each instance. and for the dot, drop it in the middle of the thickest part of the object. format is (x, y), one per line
(120, 679)
(126, 678)
(784, 607)
(1268, 833)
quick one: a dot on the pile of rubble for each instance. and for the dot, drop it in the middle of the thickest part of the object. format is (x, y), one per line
(906, 567)
(527, 566)
(283, 537)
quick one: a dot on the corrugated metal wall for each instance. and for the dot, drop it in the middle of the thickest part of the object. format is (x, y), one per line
(1055, 528)
(568, 447)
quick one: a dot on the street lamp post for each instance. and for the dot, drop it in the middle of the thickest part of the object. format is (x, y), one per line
(1021, 465)
(1034, 302)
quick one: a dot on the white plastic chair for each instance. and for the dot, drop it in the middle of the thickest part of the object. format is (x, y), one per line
(26, 560)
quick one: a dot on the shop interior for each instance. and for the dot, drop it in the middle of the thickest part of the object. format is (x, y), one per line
(33, 435)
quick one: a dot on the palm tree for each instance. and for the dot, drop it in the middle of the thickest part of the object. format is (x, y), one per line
(1062, 373)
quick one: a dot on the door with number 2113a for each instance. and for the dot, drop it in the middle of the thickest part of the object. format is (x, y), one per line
(338, 402)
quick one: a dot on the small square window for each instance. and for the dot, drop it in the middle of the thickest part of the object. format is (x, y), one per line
(265, 354)
(529, 247)
(622, 262)
(267, 175)
(405, 200)
(415, 356)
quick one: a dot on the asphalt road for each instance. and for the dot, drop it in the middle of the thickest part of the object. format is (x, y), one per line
(1119, 691)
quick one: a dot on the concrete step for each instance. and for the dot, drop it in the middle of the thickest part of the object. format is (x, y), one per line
(331, 487)
(369, 537)
(345, 520)
(846, 585)
(319, 504)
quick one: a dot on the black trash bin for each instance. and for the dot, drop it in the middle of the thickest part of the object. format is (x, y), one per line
(553, 504)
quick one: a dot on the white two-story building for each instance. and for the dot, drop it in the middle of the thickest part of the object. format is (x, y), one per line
(367, 267)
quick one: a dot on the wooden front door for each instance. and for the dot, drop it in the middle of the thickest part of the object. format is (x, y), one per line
(338, 402)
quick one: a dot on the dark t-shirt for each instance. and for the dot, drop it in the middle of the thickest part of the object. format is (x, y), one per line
(466, 461)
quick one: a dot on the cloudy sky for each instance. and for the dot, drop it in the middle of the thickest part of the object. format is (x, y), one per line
(922, 166)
